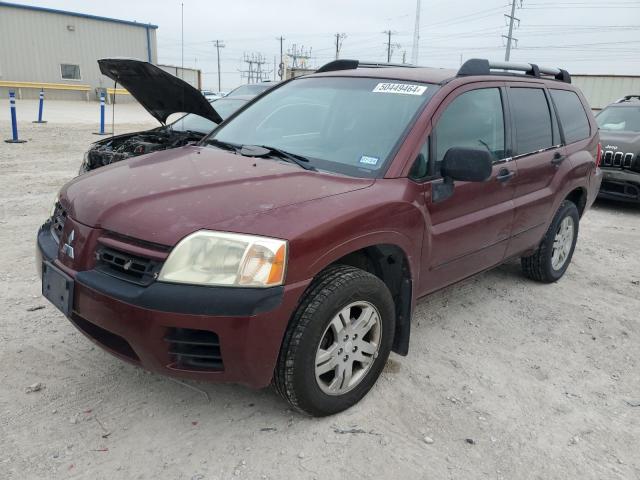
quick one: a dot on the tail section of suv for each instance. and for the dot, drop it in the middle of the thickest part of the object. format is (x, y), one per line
(620, 136)
(292, 243)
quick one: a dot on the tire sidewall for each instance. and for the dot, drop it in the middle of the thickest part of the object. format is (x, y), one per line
(310, 397)
(567, 209)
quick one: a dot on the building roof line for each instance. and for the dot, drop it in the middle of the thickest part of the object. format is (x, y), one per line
(76, 14)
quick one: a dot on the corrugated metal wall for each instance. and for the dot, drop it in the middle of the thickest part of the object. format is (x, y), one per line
(33, 44)
(190, 75)
(601, 90)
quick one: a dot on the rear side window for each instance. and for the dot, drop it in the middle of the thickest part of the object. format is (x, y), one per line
(531, 118)
(572, 115)
(474, 120)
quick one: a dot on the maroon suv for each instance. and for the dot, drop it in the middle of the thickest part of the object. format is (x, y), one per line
(291, 244)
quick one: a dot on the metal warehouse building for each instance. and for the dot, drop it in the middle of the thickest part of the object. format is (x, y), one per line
(60, 49)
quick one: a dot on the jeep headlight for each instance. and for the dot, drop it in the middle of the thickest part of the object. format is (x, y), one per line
(226, 259)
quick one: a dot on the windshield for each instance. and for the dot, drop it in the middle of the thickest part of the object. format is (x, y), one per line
(343, 125)
(620, 118)
(196, 123)
(251, 89)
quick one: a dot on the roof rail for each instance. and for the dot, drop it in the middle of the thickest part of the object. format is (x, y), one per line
(344, 64)
(627, 98)
(481, 66)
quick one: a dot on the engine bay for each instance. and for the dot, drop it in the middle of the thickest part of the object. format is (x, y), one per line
(116, 149)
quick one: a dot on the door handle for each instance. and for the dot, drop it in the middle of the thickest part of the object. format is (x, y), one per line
(557, 159)
(504, 175)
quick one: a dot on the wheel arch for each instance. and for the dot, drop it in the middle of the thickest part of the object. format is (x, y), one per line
(579, 197)
(391, 264)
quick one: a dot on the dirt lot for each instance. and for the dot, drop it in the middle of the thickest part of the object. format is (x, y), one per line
(505, 378)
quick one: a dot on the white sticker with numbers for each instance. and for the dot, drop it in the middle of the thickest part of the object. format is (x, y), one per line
(400, 88)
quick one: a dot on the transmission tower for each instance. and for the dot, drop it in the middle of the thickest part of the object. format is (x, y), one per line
(512, 20)
(299, 56)
(255, 71)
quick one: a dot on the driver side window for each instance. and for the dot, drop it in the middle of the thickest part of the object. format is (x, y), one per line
(474, 119)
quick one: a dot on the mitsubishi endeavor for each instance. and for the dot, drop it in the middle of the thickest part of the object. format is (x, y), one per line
(290, 245)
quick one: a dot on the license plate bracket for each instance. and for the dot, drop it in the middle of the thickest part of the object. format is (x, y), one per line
(57, 287)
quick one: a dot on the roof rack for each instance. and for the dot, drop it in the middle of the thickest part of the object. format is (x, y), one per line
(481, 66)
(344, 64)
(628, 98)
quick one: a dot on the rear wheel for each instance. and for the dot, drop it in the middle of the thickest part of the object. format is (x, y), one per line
(337, 343)
(553, 256)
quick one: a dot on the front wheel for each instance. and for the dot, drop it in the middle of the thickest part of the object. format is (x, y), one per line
(553, 256)
(337, 343)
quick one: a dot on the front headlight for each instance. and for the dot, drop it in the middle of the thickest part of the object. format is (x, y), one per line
(226, 259)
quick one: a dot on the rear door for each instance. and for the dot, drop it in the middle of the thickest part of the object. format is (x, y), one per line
(540, 158)
(469, 230)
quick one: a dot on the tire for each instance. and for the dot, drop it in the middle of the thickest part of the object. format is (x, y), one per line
(337, 290)
(542, 266)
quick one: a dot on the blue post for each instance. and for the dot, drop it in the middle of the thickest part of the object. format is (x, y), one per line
(40, 106)
(14, 121)
(101, 132)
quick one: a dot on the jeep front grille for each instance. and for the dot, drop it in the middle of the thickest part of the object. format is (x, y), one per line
(611, 159)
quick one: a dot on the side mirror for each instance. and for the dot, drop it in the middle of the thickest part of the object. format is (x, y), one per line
(467, 164)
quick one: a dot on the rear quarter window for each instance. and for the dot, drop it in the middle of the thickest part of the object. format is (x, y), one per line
(573, 118)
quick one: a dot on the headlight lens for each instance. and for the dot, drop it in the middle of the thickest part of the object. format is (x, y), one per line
(226, 259)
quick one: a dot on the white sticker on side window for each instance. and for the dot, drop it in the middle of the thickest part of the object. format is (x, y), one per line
(367, 160)
(401, 88)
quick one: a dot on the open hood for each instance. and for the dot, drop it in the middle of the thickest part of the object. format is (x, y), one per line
(158, 91)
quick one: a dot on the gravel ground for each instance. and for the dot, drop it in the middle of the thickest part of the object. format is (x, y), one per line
(506, 379)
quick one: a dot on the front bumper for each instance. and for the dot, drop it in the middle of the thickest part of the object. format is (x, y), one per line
(222, 334)
(621, 185)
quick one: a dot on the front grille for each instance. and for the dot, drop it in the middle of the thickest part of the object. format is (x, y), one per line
(192, 349)
(104, 337)
(126, 266)
(58, 220)
(611, 159)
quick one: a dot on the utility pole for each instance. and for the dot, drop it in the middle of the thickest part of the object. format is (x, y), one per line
(416, 36)
(299, 58)
(390, 46)
(219, 44)
(404, 56)
(339, 38)
(281, 67)
(510, 39)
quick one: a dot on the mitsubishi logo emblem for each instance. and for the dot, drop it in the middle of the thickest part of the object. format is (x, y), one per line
(67, 248)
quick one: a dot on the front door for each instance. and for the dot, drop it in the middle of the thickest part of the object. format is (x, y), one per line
(470, 230)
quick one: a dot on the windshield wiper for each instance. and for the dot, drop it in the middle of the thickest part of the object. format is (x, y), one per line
(299, 160)
(223, 145)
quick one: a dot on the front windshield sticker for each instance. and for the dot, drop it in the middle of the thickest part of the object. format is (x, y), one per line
(401, 88)
(367, 160)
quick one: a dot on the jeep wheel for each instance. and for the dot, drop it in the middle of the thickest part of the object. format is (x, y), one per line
(337, 343)
(552, 258)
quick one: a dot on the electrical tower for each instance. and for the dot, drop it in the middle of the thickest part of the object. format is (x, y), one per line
(390, 46)
(255, 71)
(416, 36)
(219, 44)
(339, 38)
(510, 38)
(299, 56)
